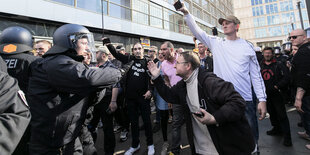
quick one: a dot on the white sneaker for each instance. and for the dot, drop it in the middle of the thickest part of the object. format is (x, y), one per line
(132, 150)
(151, 150)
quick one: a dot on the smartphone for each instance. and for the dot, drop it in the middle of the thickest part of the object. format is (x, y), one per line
(200, 115)
(177, 5)
(108, 111)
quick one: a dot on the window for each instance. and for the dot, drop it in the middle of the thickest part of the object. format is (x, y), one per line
(286, 5)
(121, 2)
(288, 17)
(92, 5)
(140, 11)
(258, 22)
(68, 2)
(256, 2)
(274, 19)
(257, 11)
(205, 5)
(197, 12)
(272, 8)
(260, 33)
(286, 29)
(269, 1)
(196, 1)
(304, 15)
(156, 16)
(119, 11)
(275, 31)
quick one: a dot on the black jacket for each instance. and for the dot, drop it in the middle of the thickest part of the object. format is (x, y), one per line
(301, 68)
(14, 114)
(232, 135)
(58, 90)
(275, 74)
(208, 64)
(18, 67)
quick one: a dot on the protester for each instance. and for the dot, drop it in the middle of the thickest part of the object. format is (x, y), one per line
(138, 92)
(59, 86)
(41, 47)
(300, 73)
(276, 78)
(223, 123)
(205, 61)
(234, 61)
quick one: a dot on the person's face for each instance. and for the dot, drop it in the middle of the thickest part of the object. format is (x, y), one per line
(152, 53)
(297, 38)
(41, 48)
(110, 56)
(168, 52)
(202, 48)
(294, 50)
(229, 27)
(161, 56)
(138, 51)
(182, 67)
(267, 55)
(82, 46)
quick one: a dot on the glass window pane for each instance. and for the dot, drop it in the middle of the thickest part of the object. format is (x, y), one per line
(119, 12)
(121, 2)
(92, 5)
(69, 2)
(140, 18)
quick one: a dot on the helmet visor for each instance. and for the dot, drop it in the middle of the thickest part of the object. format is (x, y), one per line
(90, 43)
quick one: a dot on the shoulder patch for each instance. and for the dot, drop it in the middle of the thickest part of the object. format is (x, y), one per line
(22, 96)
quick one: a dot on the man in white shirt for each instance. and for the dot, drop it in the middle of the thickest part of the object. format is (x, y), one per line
(235, 61)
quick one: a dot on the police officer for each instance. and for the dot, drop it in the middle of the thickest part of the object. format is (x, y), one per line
(58, 88)
(14, 113)
(15, 46)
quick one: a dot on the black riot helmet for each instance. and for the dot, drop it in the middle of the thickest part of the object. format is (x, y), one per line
(277, 50)
(287, 47)
(15, 40)
(66, 37)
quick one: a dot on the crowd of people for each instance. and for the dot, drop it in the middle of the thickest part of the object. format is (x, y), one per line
(55, 97)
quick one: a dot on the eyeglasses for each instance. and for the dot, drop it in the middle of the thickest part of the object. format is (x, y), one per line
(293, 37)
(139, 48)
(182, 62)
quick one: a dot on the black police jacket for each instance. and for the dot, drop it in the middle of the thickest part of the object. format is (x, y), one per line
(18, 67)
(58, 90)
(14, 114)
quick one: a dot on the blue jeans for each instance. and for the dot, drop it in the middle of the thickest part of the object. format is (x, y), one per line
(306, 115)
(250, 114)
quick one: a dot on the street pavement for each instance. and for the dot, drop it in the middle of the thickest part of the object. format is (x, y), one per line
(268, 145)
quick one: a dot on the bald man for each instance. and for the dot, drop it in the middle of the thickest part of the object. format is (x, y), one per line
(301, 77)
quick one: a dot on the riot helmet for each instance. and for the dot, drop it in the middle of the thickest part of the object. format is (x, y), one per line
(15, 40)
(66, 38)
(287, 47)
(277, 50)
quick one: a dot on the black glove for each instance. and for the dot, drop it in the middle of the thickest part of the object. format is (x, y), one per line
(106, 41)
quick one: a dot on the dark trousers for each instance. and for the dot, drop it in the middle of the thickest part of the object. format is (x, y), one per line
(306, 115)
(100, 111)
(121, 112)
(72, 148)
(178, 121)
(142, 106)
(277, 111)
(164, 116)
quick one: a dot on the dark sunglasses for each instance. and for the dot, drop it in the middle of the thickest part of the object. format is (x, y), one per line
(151, 51)
(293, 37)
(139, 48)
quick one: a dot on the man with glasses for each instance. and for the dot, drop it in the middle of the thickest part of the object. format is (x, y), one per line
(138, 91)
(235, 61)
(301, 77)
(218, 124)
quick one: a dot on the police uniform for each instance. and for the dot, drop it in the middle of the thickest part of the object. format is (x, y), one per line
(14, 114)
(15, 44)
(59, 85)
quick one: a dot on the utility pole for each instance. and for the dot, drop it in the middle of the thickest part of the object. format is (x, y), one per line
(300, 15)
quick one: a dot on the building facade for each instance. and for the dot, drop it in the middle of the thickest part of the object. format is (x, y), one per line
(124, 21)
(268, 22)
